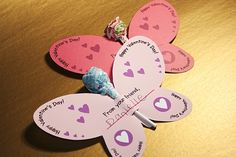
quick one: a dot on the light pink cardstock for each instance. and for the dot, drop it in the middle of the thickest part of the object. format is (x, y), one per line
(157, 20)
(138, 71)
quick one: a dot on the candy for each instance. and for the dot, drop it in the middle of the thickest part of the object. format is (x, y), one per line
(116, 30)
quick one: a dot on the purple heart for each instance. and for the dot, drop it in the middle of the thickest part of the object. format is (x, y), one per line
(75, 135)
(141, 71)
(66, 133)
(159, 66)
(127, 63)
(80, 120)
(144, 26)
(71, 107)
(129, 73)
(95, 48)
(157, 60)
(156, 27)
(84, 109)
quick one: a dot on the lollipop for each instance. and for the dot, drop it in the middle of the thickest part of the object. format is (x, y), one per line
(97, 81)
(116, 30)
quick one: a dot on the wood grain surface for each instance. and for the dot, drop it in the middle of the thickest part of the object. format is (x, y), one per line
(29, 78)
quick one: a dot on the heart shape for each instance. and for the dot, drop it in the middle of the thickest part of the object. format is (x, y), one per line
(85, 45)
(145, 18)
(156, 27)
(123, 137)
(127, 63)
(144, 26)
(95, 48)
(157, 60)
(90, 57)
(84, 109)
(71, 107)
(161, 104)
(159, 66)
(73, 67)
(141, 71)
(129, 73)
(66, 133)
(80, 120)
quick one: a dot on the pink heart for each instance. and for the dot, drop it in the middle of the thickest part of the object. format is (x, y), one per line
(71, 107)
(156, 27)
(81, 119)
(85, 45)
(145, 18)
(141, 71)
(127, 63)
(84, 109)
(144, 26)
(129, 73)
(66, 133)
(90, 57)
(74, 67)
(95, 48)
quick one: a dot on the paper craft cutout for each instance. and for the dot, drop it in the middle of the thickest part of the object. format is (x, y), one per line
(157, 20)
(138, 72)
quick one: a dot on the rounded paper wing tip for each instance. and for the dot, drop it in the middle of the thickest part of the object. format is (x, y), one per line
(97, 81)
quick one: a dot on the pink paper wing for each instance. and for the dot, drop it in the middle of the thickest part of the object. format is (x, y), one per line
(138, 69)
(74, 117)
(166, 105)
(157, 20)
(79, 53)
(176, 59)
(126, 138)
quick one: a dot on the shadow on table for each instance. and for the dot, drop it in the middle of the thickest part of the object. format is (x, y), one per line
(59, 69)
(36, 138)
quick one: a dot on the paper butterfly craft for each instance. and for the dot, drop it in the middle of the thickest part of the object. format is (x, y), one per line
(157, 20)
(138, 71)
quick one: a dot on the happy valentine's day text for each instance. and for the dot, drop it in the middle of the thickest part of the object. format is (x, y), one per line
(124, 106)
(146, 43)
(184, 109)
(58, 45)
(46, 108)
(139, 148)
(172, 12)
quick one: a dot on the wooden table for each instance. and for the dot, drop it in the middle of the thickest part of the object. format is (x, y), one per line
(29, 78)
